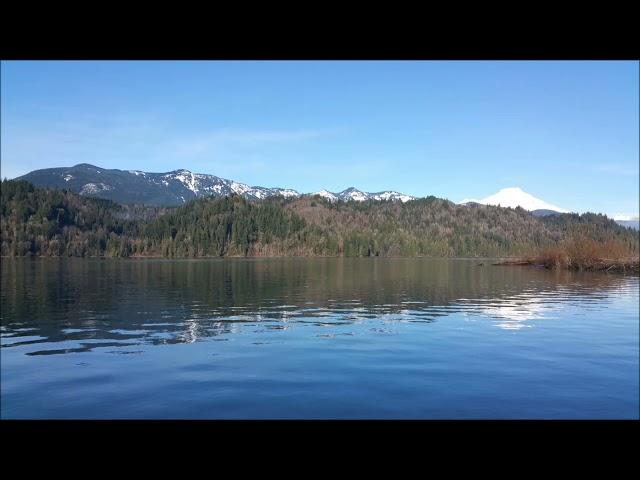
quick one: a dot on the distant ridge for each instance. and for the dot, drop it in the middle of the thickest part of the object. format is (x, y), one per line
(632, 223)
(172, 188)
(178, 187)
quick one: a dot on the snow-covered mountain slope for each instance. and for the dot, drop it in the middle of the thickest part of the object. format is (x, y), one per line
(135, 186)
(171, 188)
(324, 194)
(354, 194)
(391, 196)
(513, 197)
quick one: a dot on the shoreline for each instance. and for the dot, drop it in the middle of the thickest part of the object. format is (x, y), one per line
(156, 257)
(600, 265)
(627, 265)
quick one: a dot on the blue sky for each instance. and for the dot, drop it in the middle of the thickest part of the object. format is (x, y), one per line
(566, 132)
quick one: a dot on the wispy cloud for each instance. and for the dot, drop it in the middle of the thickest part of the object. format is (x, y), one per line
(131, 141)
(213, 141)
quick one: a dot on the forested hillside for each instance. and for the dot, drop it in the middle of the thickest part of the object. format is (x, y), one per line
(52, 222)
(437, 227)
(49, 222)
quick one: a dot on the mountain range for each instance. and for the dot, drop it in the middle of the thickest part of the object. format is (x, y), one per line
(180, 186)
(172, 188)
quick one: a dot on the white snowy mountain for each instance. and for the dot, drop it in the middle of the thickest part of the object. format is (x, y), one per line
(513, 197)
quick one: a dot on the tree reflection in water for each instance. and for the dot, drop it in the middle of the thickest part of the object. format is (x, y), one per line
(81, 304)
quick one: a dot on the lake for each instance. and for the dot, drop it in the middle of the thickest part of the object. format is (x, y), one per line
(321, 338)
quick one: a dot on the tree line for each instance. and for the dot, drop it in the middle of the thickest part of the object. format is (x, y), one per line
(52, 222)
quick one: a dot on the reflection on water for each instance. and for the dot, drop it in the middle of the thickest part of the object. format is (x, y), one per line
(111, 303)
(58, 307)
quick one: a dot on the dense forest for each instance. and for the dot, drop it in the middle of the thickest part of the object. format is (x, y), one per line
(51, 222)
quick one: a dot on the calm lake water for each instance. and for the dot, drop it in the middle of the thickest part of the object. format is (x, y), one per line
(315, 338)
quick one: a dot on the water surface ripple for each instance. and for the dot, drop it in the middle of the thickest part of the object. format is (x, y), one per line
(315, 338)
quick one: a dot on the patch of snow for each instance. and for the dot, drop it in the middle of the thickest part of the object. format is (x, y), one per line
(286, 192)
(391, 196)
(90, 188)
(67, 177)
(188, 179)
(382, 196)
(239, 188)
(258, 193)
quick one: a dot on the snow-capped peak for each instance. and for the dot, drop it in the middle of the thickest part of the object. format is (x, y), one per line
(285, 192)
(353, 193)
(356, 195)
(513, 197)
(391, 196)
(325, 194)
(188, 179)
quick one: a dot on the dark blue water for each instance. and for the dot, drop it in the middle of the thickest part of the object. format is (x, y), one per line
(315, 338)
